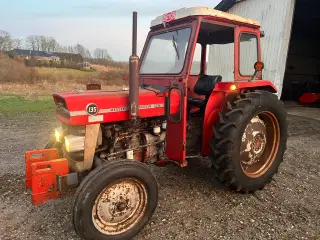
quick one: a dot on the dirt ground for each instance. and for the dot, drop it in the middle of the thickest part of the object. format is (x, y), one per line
(192, 205)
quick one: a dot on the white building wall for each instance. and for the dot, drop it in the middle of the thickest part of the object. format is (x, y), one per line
(276, 18)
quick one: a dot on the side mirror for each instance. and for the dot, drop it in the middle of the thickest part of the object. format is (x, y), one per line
(258, 67)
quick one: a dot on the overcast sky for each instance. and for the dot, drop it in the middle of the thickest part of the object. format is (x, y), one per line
(93, 23)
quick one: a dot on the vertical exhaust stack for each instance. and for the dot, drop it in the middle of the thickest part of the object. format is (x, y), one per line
(133, 73)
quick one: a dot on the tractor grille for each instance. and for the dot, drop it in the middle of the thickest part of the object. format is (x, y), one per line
(62, 108)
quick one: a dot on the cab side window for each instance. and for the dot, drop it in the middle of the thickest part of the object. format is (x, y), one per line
(196, 62)
(248, 53)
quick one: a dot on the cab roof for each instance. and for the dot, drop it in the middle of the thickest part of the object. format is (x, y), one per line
(200, 11)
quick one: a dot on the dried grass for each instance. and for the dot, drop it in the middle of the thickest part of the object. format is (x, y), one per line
(16, 78)
(14, 71)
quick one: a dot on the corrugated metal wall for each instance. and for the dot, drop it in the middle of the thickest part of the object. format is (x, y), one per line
(275, 17)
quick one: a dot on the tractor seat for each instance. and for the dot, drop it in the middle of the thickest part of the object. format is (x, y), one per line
(204, 86)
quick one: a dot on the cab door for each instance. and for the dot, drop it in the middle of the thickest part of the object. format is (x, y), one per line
(176, 113)
(176, 106)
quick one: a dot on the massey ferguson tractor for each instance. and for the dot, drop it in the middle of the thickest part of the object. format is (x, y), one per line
(108, 138)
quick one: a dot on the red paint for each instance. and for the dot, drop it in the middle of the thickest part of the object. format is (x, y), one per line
(44, 179)
(107, 100)
(38, 156)
(176, 132)
(170, 79)
(225, 86)
(308, 98)
(161, 163)
(216, 104)
(168, 17)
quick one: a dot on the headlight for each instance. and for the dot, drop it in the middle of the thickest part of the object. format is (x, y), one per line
(74, 143)
(58, 134)
(67, 144)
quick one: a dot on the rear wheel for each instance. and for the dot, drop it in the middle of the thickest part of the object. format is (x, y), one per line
(115, 201)
(249, 141)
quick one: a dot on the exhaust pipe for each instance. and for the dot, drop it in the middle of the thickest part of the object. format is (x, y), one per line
(133, 73)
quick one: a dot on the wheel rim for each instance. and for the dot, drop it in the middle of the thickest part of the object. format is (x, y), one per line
(120, 206)
(259, 145)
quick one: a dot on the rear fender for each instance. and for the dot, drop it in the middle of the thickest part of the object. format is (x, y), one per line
(222, 93)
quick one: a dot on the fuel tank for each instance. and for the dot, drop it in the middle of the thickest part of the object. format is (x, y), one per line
(91, 107)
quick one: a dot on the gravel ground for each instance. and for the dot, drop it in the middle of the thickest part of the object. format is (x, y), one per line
(191, 204)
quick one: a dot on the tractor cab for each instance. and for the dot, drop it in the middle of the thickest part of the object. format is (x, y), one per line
(179, 44)
(180, 58)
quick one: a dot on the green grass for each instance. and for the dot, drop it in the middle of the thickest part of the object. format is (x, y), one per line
(17, 104)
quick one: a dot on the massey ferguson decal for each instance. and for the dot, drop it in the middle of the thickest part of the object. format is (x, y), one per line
(92, 109)
(160, 105)
(122, 109)
(168, 17)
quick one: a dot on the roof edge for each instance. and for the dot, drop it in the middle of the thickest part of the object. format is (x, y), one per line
(201, 11)
(225, 5)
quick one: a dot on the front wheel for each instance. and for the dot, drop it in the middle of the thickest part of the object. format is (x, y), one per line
(115, 201)
(249, 141)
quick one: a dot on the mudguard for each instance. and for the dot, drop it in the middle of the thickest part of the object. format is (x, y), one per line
(217, 102)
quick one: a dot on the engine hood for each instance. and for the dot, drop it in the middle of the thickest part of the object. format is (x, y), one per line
(109, 106)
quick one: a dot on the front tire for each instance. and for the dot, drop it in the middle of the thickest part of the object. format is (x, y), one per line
(115, 201)
(249, 141)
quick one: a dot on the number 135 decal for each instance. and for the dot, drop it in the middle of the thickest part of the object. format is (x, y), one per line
(92, 109)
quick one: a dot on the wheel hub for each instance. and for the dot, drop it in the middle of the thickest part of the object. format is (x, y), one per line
(253, 141)
(259, 144)
(119, 206)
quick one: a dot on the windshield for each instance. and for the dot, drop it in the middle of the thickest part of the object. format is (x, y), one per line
(166, 52)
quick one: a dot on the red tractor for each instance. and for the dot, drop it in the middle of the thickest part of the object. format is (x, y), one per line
(107, 138)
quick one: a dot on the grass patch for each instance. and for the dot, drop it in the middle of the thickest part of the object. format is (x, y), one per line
(17, 104)
(55, 74)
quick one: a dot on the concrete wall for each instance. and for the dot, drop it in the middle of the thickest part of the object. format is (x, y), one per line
(275, 17)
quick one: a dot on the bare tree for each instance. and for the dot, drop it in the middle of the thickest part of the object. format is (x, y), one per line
(38, 42)
(87, 54)
(61, 48)
(70, 49)
(52, 44)
(43, 43)
(100, 53)
(5, 41)
(48, 44)
(80, 49)
(16, 43)
(31, 43)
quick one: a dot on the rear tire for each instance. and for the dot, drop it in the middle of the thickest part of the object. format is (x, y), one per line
(115, 201)
(249, 141)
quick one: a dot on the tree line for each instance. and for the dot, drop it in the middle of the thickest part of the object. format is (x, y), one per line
(49, 44)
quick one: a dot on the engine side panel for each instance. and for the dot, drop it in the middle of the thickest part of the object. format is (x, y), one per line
(112, 106)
